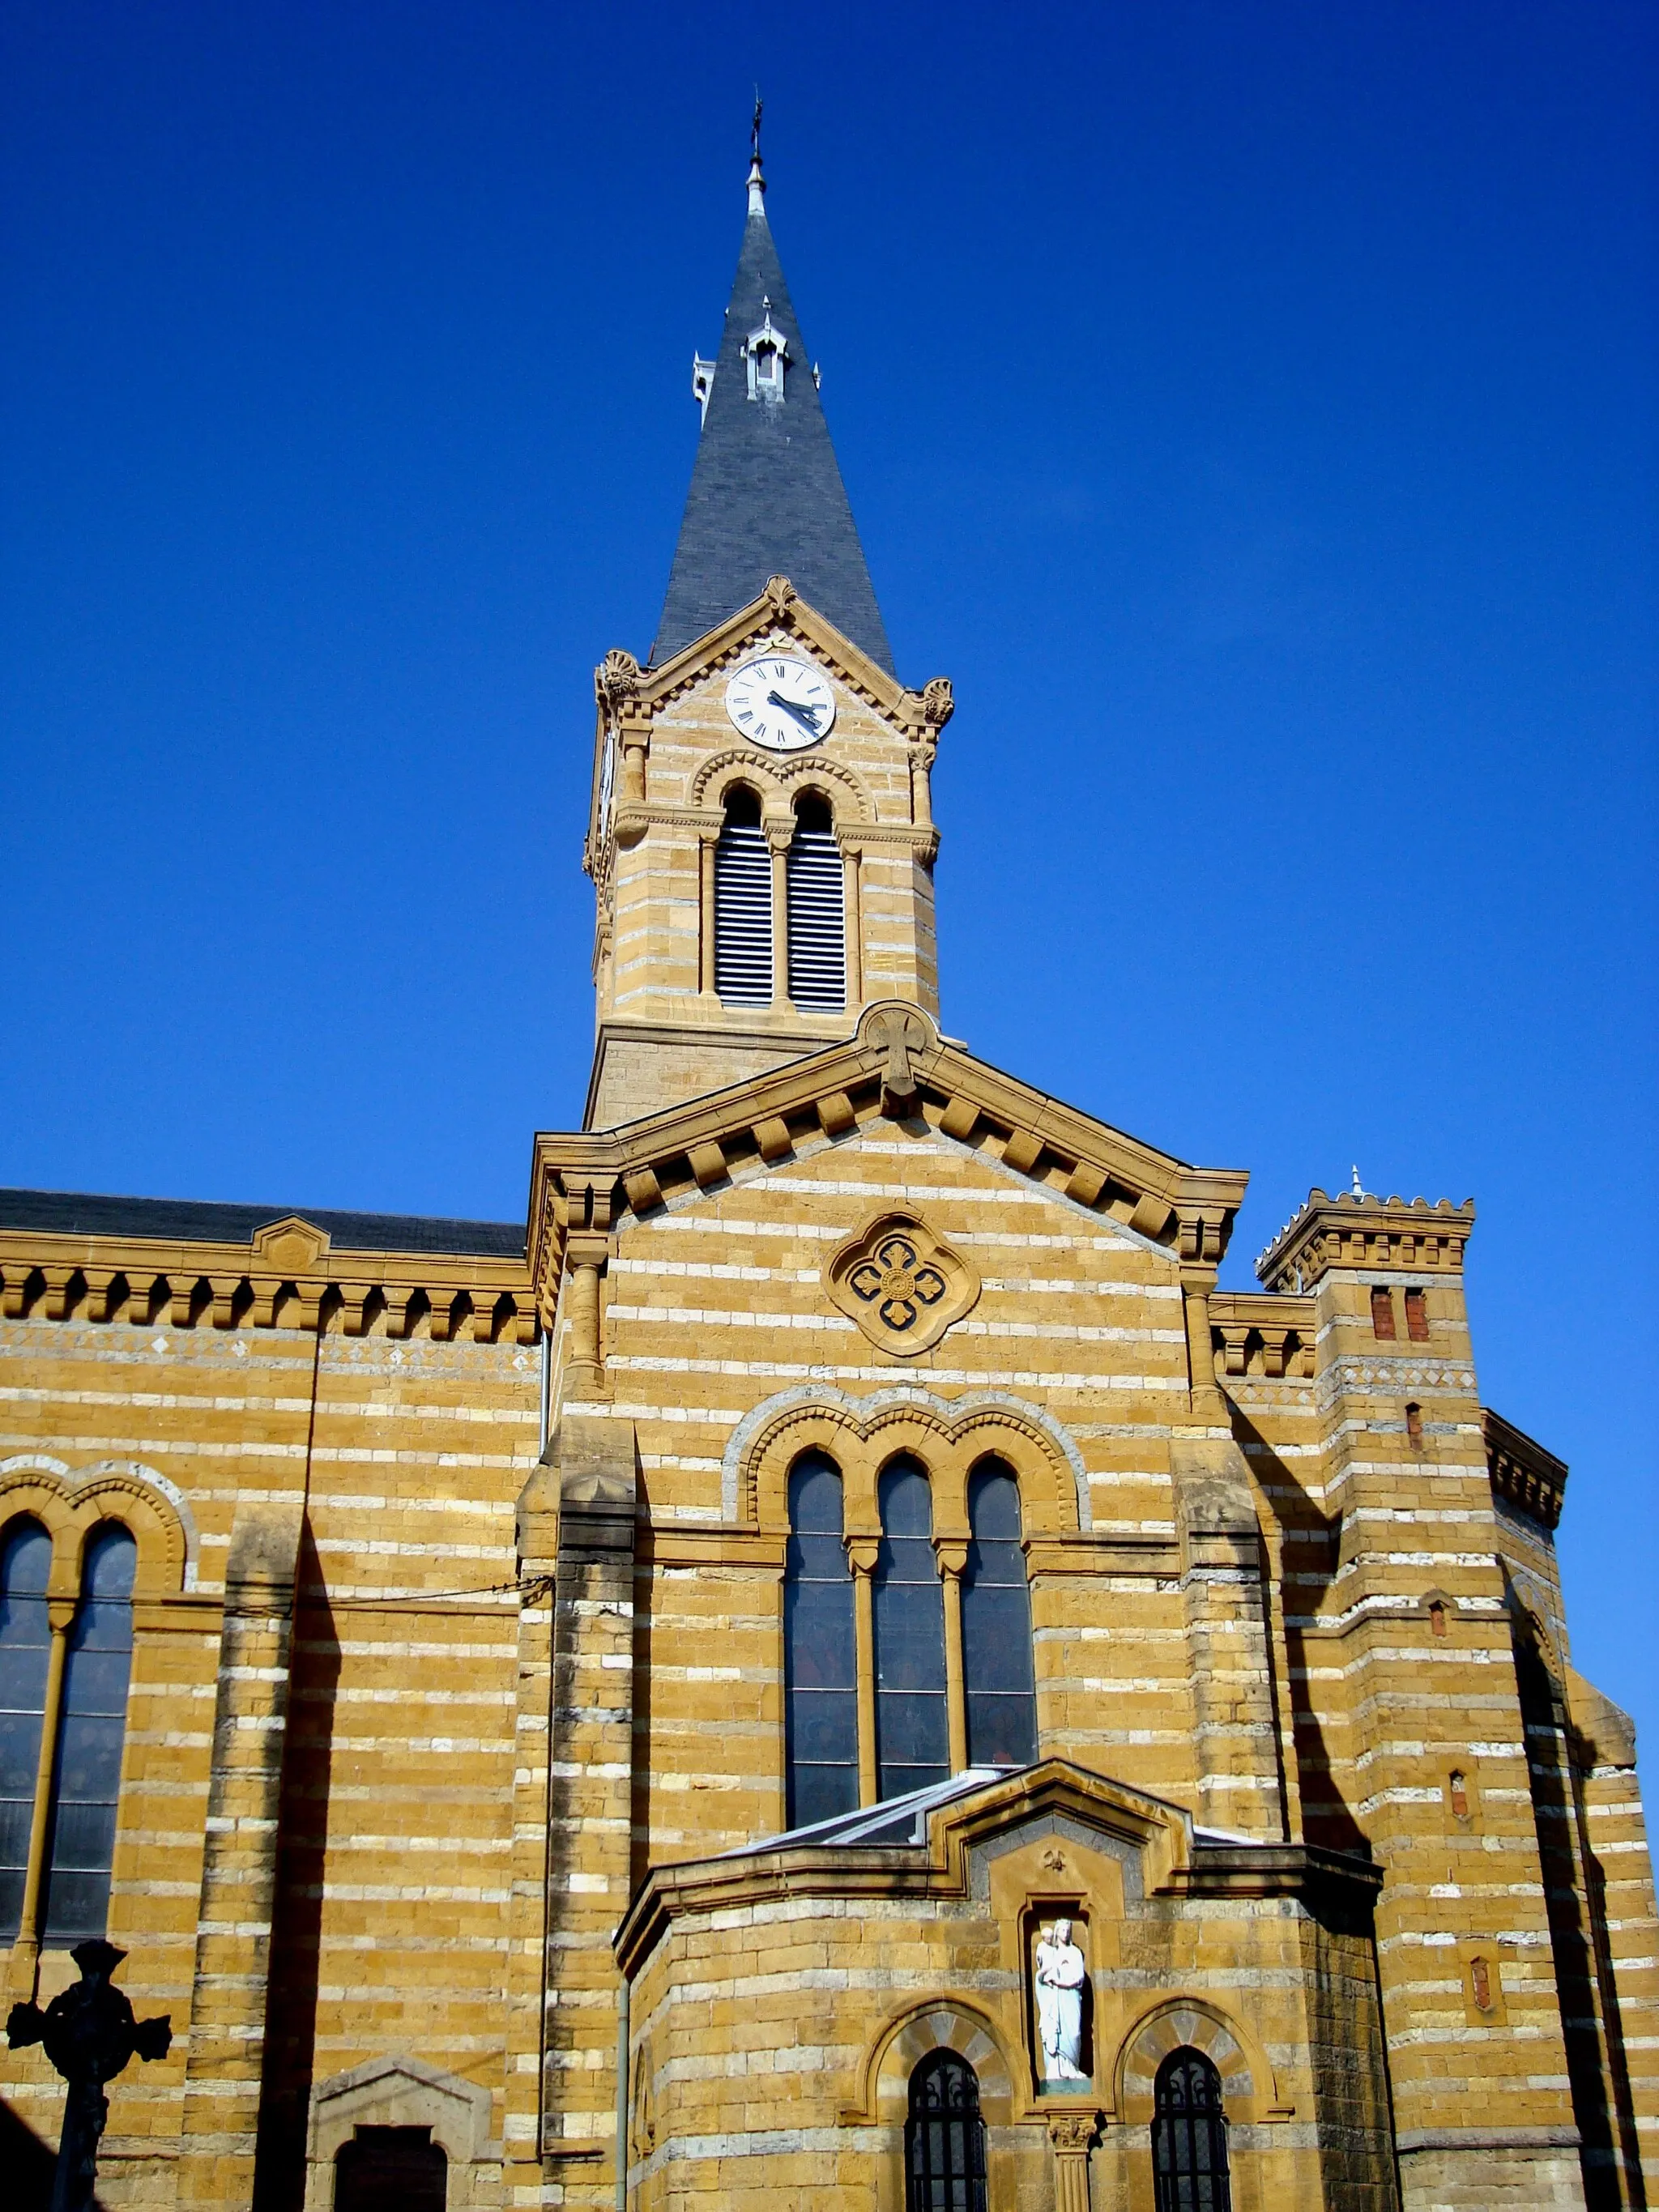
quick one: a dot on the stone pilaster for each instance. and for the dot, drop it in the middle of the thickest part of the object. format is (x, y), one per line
(1236, 1742)
(590, 1800)
(230, 1991)
(538, 1533)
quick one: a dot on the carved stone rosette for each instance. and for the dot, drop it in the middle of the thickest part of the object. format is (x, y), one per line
(902, 1284)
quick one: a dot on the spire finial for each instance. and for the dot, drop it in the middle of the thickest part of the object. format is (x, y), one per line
(757, 179)
(1359, 1190)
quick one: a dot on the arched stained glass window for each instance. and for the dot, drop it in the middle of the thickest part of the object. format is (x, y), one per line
(996, 1626)
(742, 905)
(817, 929)
(25, 1649)
(819, 1658)
(943, 2137)
(87, 1777)
(1189, 2136)
(913, 1728)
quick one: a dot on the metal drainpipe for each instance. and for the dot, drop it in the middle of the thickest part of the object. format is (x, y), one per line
(622, 2096)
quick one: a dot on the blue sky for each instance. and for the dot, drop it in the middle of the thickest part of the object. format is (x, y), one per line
(1252, 407)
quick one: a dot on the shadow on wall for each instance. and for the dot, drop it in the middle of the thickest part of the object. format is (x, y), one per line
(28, 2164)
(279, 2182)
(1311, 1542)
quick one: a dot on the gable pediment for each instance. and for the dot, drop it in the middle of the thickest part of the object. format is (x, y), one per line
(896, 1067)
(779, 609)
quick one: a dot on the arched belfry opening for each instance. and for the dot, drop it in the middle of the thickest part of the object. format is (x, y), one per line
(817, 904)
(743, 904)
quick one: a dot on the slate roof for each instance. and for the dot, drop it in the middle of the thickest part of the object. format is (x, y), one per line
(80, 1214)
(766, 496)
(901, 1819)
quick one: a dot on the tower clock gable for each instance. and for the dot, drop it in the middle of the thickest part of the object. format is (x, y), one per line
(761, 844)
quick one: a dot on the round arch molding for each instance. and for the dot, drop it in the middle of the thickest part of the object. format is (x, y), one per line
(1248, 2085)
(862, 1434)
(70, 1504)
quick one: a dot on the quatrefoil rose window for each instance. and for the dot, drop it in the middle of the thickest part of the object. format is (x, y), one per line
(902, 1284)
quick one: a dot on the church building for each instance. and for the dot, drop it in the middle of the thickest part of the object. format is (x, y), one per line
(830, 1667)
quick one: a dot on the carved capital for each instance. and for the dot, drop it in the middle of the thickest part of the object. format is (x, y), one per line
(1071, 2133)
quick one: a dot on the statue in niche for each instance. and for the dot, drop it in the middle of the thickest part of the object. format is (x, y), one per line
(1059, 1975)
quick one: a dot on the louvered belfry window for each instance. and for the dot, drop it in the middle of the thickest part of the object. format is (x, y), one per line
(743, 906)
(817, 930)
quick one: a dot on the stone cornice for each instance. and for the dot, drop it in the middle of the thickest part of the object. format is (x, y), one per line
(1524, 1474)
(591, 1178)
(1409, 1236)
(287, 1275)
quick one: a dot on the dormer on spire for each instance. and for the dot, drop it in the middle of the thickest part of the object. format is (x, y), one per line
(767, 352)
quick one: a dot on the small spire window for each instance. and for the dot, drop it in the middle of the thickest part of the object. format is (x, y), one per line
(767, 352)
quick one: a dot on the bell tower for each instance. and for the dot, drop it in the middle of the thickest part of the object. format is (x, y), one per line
(760, 836)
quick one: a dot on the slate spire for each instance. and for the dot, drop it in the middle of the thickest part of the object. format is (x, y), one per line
(766, 496)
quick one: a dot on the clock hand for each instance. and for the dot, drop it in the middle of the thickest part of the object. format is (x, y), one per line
(806, 716)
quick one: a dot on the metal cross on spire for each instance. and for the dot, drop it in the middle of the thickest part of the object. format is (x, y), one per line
(754, 129)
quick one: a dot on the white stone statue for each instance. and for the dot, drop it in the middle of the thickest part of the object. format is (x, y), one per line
(1060, 1978)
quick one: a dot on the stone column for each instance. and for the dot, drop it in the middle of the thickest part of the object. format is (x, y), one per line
(952, 1556)
(706, 910)
(1069, 2134)
(922, 757)
(586, 1254)
(853, 925)
(861, 1557)
(779, 837)
(26, 1951)
(230, 1992)
(1208, 1406)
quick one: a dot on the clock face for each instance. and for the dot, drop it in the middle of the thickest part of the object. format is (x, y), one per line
(781, 703)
